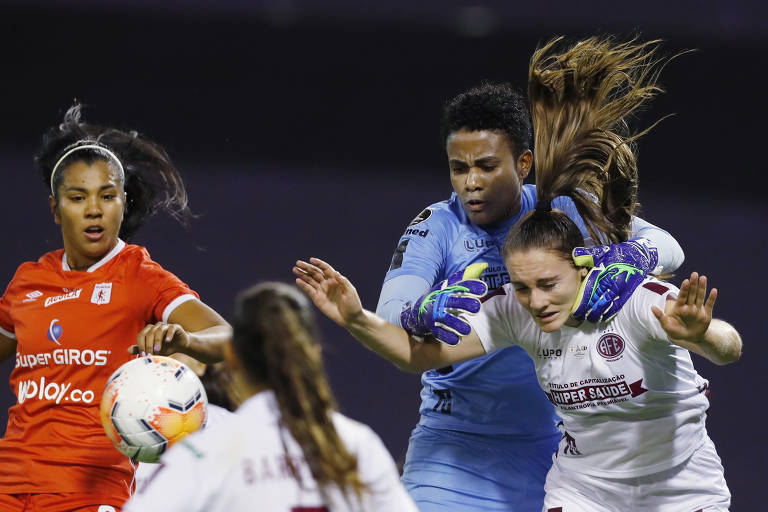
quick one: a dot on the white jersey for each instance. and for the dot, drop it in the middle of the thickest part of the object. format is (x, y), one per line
(241, 465)
(630, 401)
(145, 470)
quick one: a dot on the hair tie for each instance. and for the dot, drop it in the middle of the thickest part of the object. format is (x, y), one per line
(544, 205)
(99, 147)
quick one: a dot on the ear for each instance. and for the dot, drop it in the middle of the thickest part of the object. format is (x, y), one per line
(54, 205)
(524, 164)
(583, 271)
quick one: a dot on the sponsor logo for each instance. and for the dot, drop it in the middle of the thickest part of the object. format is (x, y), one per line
(495, 277)
(101, 293)
(33, 296)
(550, 353)
(416, 232)
(52, 391)
(610, 346)
(478, 244)
(65, 356)
(50, 301)
(54, 331)
(424, 215)
(578, 351)
(594, 392)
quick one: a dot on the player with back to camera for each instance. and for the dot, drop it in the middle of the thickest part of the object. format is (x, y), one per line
(486, 434)
(285, 449)
(631, 404)
(78, 313)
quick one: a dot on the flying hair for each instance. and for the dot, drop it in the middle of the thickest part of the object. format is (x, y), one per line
(580, 98)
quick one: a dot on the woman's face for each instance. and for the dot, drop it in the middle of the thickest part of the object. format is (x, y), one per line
(90, 208)
(546, 284)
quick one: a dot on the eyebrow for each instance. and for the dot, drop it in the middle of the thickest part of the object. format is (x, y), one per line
(479, 161)
(81, 189)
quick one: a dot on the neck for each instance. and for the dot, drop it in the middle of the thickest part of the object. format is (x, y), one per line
(79, 261)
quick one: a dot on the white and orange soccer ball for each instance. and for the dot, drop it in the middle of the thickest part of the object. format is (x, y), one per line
(150, 403)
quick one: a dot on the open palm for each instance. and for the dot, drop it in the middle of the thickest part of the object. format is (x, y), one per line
(689, 316)
(331, 292)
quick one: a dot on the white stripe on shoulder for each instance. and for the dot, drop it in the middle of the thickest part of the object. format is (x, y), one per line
(7, 334)
(178, 301)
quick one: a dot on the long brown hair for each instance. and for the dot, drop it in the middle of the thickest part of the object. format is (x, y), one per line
(276, 339)
(580, 100)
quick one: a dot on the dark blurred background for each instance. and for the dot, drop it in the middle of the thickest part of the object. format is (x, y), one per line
(312, 128)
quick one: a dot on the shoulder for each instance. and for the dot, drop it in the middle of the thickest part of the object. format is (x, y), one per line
(357, 437)
(441, 213)
(653, 290)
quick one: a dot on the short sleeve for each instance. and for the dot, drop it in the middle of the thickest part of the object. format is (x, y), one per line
(493, 324)
(6, 319)
(166, 291)
(420, 250)
(651, 293)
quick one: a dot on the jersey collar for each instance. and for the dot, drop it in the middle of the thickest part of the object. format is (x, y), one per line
(111, 254)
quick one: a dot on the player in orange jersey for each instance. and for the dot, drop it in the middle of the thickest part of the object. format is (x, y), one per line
(78, 313)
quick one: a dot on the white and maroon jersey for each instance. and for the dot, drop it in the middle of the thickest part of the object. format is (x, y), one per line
(630, 401)
(240, 464)
(72, 330)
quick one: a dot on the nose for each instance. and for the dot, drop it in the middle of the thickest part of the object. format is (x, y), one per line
(474, 179)
(92, 208)
(538, 300)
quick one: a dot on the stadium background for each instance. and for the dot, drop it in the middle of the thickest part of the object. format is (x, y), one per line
(312, 128)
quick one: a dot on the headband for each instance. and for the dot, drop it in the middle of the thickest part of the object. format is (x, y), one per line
(88, 146)
(544, 205)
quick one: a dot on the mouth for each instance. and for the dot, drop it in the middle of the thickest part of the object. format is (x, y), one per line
(476, 205)
(546, 317)
(94, 233)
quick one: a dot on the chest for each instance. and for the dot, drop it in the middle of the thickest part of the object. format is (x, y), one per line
(476, 246)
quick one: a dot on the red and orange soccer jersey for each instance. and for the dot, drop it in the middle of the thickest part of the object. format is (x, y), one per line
(73, 330)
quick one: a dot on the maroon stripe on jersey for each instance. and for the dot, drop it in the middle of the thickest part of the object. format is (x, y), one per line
(656, 287)
(494, 293)
(560, 509)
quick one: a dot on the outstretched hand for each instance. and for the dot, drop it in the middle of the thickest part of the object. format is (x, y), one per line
(689, 316)
(332, 293)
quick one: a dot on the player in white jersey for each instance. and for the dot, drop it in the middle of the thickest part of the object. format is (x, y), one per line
(631, 404)
(285, 449)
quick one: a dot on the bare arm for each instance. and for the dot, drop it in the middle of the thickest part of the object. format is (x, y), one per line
(688, 322)
(337, 298)
(193, 328)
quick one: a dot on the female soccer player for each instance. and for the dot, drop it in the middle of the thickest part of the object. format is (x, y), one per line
(78, 313)
(631, 405)
(285, 448)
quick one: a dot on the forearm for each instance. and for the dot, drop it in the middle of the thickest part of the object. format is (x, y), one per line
(721, 343)
(671, 255)
(207, 345)
(388, 340)
(396, 292)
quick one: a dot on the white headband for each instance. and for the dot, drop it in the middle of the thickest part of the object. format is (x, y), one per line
(88, 146)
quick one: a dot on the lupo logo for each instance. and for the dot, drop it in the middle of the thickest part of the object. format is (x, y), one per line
(54, 331)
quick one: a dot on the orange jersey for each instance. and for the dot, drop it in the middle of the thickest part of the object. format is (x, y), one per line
(73, 330)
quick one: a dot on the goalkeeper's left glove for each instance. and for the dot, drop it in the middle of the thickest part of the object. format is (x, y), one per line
(617, 270)
(437, 312)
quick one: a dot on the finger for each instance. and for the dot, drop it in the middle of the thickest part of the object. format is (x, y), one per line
(305, 278)
(157, 335)
(306, 287)
(171, 332)
(134, 349)
(466, 304)
(141, 338)
(445, 336)
(325, 267)
(455, 324)
(692, 289)
(659, 314)
(310, 270)
(682, 297)
(701, 293)
(710, 304)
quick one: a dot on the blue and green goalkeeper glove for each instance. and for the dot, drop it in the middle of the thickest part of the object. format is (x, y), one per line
(438, 312)
(617, 270)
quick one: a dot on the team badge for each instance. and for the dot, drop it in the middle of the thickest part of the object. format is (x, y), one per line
(101, 293)
(54, 331)
(610, 346)
(424, 215)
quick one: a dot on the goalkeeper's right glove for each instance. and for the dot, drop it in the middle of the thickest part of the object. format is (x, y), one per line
(438, 311)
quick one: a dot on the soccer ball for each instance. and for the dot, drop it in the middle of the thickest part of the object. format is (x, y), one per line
(149, 403)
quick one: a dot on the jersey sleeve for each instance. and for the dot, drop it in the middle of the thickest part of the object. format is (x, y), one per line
(418, 262)
(165, 292)
(567, 205)
(651, 293)
(176, 485)
(384, 490)
(6, 321)
(494, 323)
(671, 255)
